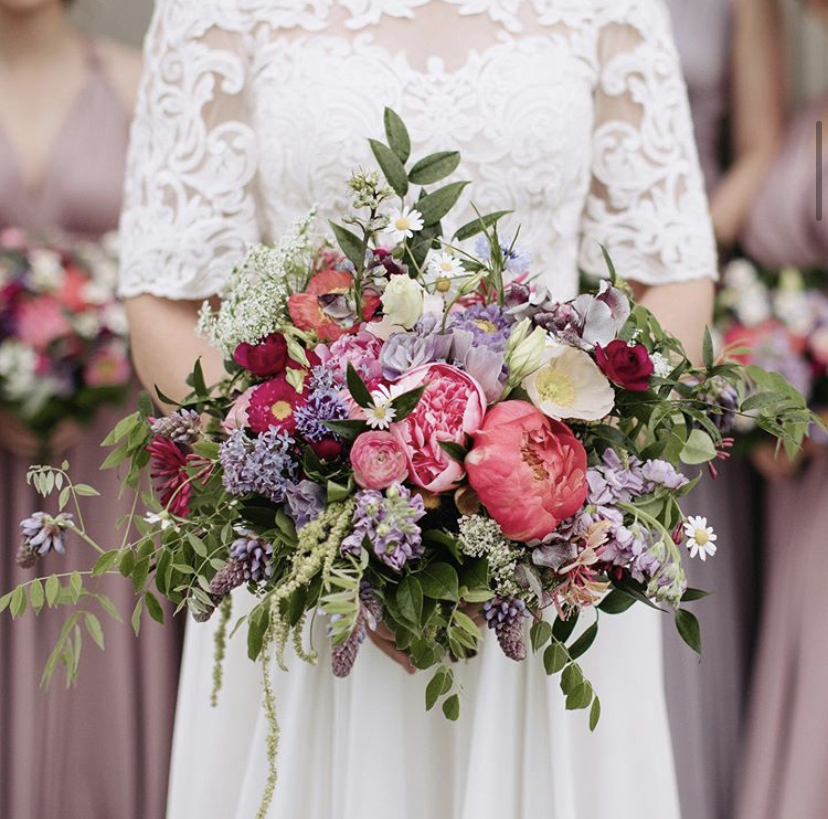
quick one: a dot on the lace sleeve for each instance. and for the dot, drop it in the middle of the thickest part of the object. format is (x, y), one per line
(189, 209)
(646, 204)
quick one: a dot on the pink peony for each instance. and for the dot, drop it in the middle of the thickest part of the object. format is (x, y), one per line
(378, 460)
(528, 470)
(361, 350)
(452, 407)
(109, 366)
(42, 321)
(237, 416)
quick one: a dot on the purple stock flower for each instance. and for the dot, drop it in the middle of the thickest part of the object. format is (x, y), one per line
(389, 522)
(306, 501)
(664, 474)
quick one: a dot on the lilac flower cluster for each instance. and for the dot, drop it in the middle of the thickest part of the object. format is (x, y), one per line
(306, 501)
(322, 405)
(610, 483)
(263, 465)
(389, 522)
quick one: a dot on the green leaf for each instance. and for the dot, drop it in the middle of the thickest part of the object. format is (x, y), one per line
(199, 547)
(127, 563)
(105, 562)
(4, 601)
(76, 585)
(479, 224)
(391, 166)
(467, 624)
(339, 492)
(571, 678)
(579, 697)
(406, 403)
(594, 714)
(454, 450)
(116, 457)
(610, 265)
(562, 629)
(145, 407)
(436, 205)
(93, 626)
(707, 349)
(439, 684)
(451, 707)
(689, 629)
(122, 429)
(555, 658)
(258, 623)
(109, 607)
(616, 602)
(86, 491)
(699, 448)
(397, 135)
(52, 590)
(410, 600)
(36, 597)
(352, 246)
(199, 384)
(349, 429)
(584, 642)
(440, 581)
(136, 616)
(540, 634)
(154, 607)
(434, 168)
(63, 498)
(693, 594)
(762, 400)
(356, 386)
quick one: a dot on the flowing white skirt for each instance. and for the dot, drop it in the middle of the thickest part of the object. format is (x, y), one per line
(365, 748)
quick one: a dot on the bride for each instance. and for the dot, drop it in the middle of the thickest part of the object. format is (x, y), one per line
(572, 113)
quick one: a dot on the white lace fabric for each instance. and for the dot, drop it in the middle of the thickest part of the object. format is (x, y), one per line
(571, 113)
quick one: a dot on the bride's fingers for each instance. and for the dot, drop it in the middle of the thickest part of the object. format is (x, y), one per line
(388, 648)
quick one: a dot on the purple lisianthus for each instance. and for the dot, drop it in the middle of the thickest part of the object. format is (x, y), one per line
(389, 522)
(484, 364)
(305, 500)
(424, 345)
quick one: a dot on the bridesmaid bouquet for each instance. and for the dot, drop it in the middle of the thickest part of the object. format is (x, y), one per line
(63, 349)
(414, 434)
(777, 321)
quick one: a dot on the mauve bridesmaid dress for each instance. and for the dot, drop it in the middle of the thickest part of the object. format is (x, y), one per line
(101, 750)
(706, 698)
(786, 756)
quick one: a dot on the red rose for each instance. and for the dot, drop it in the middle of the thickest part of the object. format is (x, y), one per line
(327, 449)
(265, 359)
(628, 366)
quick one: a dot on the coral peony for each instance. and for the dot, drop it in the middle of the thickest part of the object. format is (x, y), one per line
(274, 404)
(378, 460)
(452, 407)
(326, 305)
(267, 358)
(628, 365)
(529, 471)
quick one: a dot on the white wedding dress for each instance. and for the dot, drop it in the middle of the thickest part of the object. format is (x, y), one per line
(573, 114)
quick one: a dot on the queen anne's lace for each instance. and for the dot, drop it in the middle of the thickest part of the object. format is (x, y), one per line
(570, 112)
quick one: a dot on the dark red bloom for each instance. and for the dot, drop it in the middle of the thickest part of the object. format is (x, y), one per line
(628, 366)
(266, 359)
(170, 479)
(328, 449)
(274, 404)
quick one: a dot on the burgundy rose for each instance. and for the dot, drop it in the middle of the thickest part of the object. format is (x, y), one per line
(327, 449)
(266, 359)
(628, 366)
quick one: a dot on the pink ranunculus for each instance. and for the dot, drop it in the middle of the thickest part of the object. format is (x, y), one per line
(237, 416)
(528, 470)
(42, 321)
(378, 460)
(452, 407)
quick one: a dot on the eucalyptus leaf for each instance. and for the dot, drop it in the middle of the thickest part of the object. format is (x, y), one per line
(397, 135)
(392, 167)
(434, 167)
(435, 206)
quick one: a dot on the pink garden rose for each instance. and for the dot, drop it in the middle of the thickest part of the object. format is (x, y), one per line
(528, 470)
(378, 460)
(237, 416)
(42, 321)
(452, 406)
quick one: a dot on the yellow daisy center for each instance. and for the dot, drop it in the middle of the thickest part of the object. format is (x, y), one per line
(444, 285)
(379, 412)
(701, 537)
(486, 326)
(281, 410)
(402, 223)
(555, 386)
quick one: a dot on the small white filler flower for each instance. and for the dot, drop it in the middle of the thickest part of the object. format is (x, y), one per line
(701, 537)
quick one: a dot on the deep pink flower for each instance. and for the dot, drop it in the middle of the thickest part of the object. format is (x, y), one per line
(326, 449)
(361, 350)
(528, 470)
(265, 359)
(41, 321)
(170, 479)
(378, 460)
(108, 366)
(273, 404)
(452, 407)
(627, 366)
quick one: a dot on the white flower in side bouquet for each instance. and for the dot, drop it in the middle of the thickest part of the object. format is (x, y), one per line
(701, 537)
(569, 385)
(403, 223)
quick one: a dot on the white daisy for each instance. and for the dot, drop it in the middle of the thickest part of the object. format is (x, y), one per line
(383, 395)
(380, 416)
(403, 224)
(701, 537)
(445, 267)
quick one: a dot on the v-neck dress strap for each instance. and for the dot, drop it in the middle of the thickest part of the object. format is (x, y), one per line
(82, 181)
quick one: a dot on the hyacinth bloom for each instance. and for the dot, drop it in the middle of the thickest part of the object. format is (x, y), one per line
(307, 309)
(452, 407)
(529, 471)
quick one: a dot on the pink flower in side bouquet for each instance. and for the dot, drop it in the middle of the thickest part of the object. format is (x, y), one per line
(361, 350)
(528, 470)
(237, 417)
(109, 366)
(452, 407)
(378, 460)
(41, 321)
(274, 404)
(265, 359)
(629, 366)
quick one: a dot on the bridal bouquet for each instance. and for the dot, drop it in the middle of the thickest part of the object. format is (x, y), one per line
(63, 349)
(777, 321)
(416, 434)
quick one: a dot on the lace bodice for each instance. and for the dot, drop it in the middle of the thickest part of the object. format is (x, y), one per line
(572, 113)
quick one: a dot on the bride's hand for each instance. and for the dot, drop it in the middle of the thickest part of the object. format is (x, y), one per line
(776, 466)
(17, 439)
